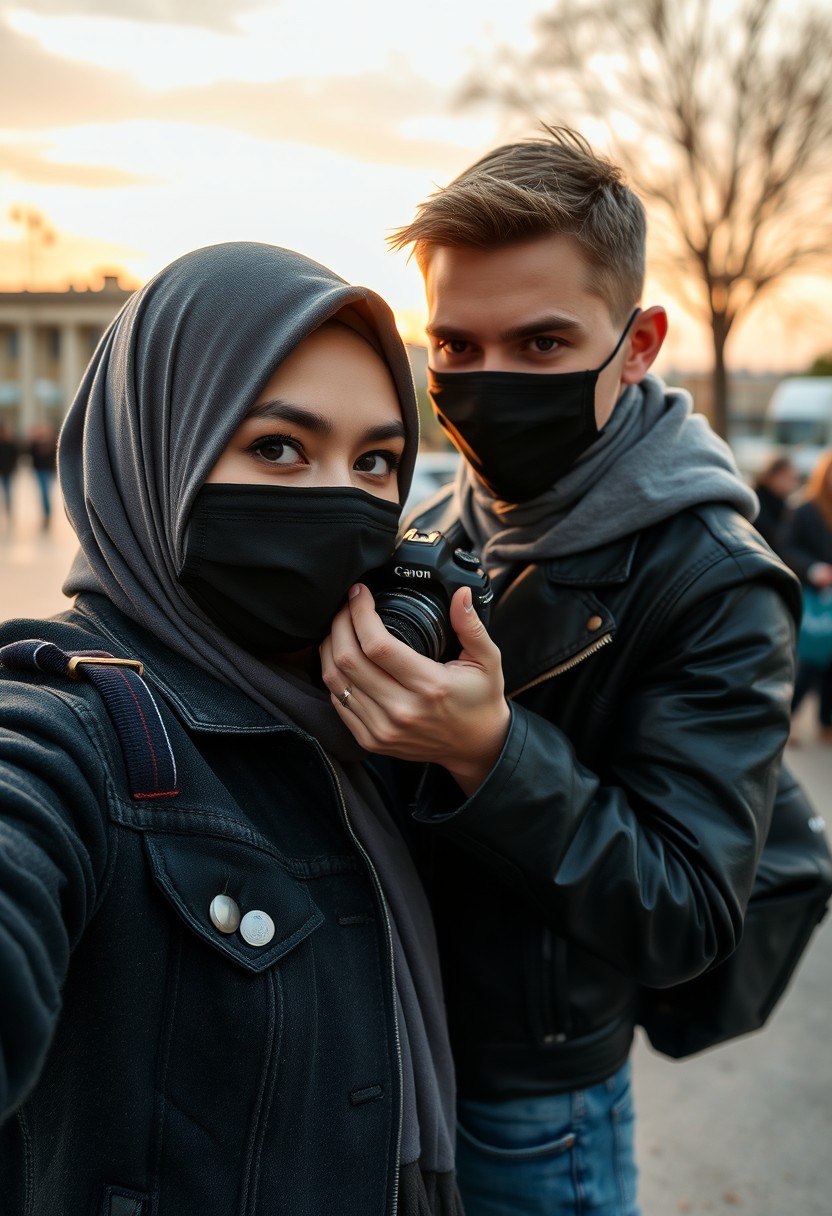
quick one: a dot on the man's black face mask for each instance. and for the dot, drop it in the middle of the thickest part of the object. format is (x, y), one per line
(519, 431)
(271, 565)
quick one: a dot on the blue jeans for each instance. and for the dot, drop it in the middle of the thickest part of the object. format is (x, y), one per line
(46, 480)
(558, 1155)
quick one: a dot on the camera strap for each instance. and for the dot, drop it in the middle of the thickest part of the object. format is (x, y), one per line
(144, 742)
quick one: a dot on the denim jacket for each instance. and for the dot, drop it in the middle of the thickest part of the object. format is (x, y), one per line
(149, 1062)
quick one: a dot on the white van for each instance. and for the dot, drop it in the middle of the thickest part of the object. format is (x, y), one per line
(798, 423)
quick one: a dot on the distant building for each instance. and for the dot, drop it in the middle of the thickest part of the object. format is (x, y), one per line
(46, 340)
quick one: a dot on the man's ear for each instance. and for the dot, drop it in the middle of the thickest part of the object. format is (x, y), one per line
(644, 343)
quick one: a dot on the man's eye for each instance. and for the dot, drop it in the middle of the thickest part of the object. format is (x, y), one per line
(377, 464)
(276, 449)
(544, 345)
(453, 346)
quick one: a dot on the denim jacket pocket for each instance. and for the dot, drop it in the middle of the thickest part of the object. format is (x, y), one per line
(192, 871)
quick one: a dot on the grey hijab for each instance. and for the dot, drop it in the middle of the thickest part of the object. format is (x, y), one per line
(167, 387)
(170, 382)
(654, 458)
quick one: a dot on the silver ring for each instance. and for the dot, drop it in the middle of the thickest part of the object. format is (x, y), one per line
(347, 694)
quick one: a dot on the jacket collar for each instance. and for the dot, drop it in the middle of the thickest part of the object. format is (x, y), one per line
(201, 700)
(547, 619)
(605, 566)
(544, 626)
(550, 619)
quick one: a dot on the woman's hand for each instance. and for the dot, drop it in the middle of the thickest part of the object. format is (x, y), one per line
(405, 705)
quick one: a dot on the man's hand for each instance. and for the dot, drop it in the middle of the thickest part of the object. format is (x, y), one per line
(405, 705)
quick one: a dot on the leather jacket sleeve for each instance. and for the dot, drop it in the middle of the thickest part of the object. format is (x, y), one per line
(649, 861)
(52, 856)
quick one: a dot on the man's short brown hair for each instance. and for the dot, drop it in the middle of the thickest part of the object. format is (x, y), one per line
(540, 187)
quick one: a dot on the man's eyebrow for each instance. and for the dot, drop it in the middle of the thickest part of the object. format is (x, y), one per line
(452, 332)
(529, 329)
(542, 325)
(283, 411)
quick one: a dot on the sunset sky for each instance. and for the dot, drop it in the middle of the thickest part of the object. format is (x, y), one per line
(140, 129)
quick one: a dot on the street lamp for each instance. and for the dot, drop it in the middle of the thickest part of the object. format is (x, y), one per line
(37, 235)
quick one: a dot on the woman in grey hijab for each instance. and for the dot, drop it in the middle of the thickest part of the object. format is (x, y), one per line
(218, 980)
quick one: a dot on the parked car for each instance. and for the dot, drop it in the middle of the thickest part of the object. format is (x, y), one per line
(798, 423)
(433, 469)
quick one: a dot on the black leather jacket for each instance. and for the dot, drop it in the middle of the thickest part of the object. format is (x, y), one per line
(615, 841)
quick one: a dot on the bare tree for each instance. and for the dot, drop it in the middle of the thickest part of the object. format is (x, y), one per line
(720, 111)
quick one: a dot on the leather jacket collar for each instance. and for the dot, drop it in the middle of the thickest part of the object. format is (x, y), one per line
(554, 591)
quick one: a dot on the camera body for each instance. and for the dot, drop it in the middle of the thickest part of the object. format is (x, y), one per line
(413, 591)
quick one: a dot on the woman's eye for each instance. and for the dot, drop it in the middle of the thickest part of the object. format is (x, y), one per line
(277, 449)
(377, 464)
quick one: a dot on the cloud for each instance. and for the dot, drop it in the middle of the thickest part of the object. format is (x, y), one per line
(220, 15)
(365, 116)
(32, 164)
(277, 42)
(38, 89)
(359, 117)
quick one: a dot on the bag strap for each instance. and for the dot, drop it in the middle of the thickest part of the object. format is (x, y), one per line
(148, 756)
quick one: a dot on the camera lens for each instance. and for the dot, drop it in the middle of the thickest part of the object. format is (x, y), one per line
(417, 619)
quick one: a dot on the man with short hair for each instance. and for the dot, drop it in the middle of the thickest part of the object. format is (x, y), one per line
(602, 767)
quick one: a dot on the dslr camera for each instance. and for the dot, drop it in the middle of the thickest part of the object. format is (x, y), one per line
(413, 591)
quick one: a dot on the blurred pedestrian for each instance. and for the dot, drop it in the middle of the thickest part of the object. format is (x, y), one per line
(42, 449)
(808, 550)
(9, 453)
(774, 485)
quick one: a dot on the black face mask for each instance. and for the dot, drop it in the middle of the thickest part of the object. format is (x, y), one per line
(271, 565)
(519, 431)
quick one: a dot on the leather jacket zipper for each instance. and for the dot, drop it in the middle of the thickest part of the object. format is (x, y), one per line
(604, 640)
(391, 961)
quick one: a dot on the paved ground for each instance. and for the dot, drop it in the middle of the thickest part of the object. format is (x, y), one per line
(33, 562)
(745, 1127)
